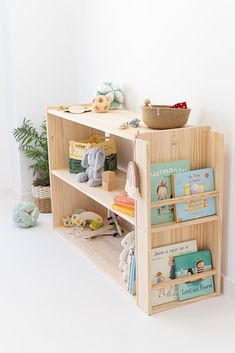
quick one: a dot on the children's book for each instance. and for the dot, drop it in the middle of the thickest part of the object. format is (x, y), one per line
(190, 183)
(163, 269)
(161, 187)
(190, 264)
(128, 211)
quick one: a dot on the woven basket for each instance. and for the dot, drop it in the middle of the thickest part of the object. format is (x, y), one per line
(77, 150)
(164, 117)
(42, 198)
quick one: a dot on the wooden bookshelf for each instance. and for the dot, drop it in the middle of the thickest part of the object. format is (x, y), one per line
(202, 146)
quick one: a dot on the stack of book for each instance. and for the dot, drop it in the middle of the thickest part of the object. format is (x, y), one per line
(124, 204)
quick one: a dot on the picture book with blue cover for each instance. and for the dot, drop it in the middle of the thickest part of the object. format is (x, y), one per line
(190, 264)
(161, 188)
(191, 183)
(163, 269)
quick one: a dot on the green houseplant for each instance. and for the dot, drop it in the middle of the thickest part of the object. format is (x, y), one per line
(33, 144)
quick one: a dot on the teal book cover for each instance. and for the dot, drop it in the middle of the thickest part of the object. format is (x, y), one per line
(190, 183)
(161, 188)
(190, 264)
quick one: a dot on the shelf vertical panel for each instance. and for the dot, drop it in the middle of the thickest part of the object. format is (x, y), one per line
(60, 132)
(215, 160)
(143, 228)
(175, 144)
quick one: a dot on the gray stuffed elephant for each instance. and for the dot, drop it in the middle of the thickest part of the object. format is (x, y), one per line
(94, 162)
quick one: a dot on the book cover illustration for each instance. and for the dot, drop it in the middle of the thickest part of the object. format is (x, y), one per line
(191, 183)
(161, 188)
(190, 264)
(163, 269)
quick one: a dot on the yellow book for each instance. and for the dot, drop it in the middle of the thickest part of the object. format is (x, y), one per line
(123, 210)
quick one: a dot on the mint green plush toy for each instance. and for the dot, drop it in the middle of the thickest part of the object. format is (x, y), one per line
(113, 92)
(25, 214)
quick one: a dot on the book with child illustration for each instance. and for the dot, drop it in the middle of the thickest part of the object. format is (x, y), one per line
(161, 187)
(163, 269)
(190, 264)
(191, 183)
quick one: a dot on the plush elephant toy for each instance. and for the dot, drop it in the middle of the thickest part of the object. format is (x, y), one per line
(94, 162)
(127, 243)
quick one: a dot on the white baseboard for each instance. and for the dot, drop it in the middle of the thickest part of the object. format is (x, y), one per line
(228, 287)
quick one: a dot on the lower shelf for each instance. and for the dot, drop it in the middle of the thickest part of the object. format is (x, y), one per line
(102, 251)
(176, 304)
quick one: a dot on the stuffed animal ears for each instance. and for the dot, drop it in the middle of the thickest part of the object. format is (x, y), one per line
(84, 162)
(99, 159)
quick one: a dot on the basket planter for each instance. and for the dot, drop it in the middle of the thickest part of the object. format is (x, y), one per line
(164, 117)
(42, 198)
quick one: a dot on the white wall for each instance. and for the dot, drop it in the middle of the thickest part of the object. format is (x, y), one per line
(169, 51)
(44, 63)
(4, 114)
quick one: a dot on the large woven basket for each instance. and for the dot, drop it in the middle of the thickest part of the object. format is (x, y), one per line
(163, 117)
(77, 150)
(42, 198)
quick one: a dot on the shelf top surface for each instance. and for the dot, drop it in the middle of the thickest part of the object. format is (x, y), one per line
(105, 198)
(108, 122)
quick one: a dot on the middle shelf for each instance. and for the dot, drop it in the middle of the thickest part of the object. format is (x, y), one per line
(103, 197)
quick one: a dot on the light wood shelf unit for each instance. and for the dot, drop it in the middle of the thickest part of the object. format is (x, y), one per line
(202, 146)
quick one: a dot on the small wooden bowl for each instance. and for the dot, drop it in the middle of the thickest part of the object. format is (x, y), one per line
(163, 117)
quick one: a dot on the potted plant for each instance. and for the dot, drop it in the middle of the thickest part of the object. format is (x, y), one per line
(33, 144)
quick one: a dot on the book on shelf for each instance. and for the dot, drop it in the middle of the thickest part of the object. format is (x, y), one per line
(190, 264)
(124, 210)
(131, 272)
(191, 183)
(124, 204)
(163, 269)
(161, 188)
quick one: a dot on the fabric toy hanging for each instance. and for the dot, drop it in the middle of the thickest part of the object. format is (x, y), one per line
(132, 181)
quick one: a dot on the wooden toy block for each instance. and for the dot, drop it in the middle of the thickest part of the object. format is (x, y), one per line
(108, 176)
(108, 185)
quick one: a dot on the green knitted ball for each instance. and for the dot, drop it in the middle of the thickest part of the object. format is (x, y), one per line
(25, 214)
